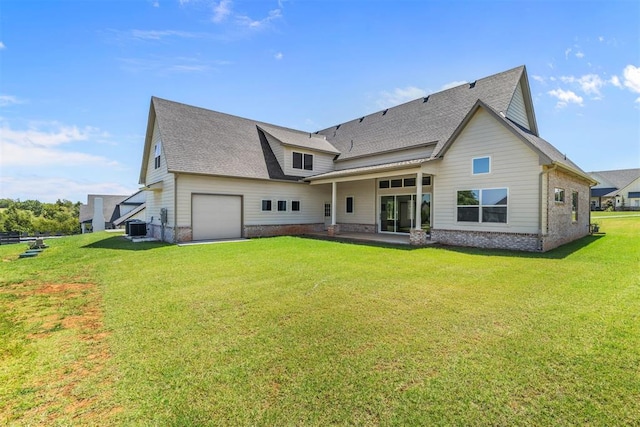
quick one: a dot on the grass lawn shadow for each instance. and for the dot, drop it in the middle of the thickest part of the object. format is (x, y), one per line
(122, 243)
(557, 253)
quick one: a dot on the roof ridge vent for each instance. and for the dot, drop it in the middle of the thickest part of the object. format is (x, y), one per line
(425, 99)
(472, 84)
(385, 112)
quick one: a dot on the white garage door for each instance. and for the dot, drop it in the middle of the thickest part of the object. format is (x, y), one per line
(216, 217)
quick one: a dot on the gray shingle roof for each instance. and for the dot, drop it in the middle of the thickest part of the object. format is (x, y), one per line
(430, 119)
(300, 139)
(109, 204)
(616, 178)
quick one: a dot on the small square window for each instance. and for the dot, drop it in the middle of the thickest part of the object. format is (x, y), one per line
(282, 205)
(481, 165)
(349, 204)
(295, 205)
(409, 182)
(426, 180)
(266, 205)
(383, 184)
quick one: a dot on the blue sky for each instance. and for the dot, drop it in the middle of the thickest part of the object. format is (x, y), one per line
(76, 77)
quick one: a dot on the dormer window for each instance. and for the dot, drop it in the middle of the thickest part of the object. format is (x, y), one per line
(302, 161)
(156, 159)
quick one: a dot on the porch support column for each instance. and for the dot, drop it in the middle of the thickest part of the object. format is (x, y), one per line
(333, 228)
(418, 223)
(417, 236)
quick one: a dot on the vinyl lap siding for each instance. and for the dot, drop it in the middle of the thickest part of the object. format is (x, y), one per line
(517, 110)
(322, 162)
(253, 192)
(513, 166)
(364, 202)
(163, 198)
(277, 148)
(380, 159)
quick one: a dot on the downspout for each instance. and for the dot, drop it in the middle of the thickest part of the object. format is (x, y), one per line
(542, 196)
(175, 208)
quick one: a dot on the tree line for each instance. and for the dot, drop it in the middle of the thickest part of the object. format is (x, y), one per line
(33, 216)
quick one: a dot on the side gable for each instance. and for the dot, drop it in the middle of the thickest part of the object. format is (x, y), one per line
(520, 108)
(151, 125)
(547, 153)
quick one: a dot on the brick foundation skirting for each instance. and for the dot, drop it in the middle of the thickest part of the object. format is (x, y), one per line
(489, 240)
(357, 228)
(251, 231)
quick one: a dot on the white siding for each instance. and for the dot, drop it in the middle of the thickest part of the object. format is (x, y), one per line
(311, 199)
(277, 148)
(364, 202)
(517, 110)
(163, 198)
(379, 159)
(513, 165)
(631, 188)
(322, 162)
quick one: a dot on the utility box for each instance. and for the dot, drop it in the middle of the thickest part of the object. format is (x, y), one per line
(137, 229)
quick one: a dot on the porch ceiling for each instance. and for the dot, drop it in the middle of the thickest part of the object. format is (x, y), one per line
(368, 172)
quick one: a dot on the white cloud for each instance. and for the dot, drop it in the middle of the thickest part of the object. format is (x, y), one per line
(164, 65)
(221, 11)
(6, 100)
(589, 83)
(565, 97)
(452, 84)
(35, 147)
(245, 21)
(538, 78)
(2, 46)
(399, 96)
(278, 56)
(579, 55)
(615, 80)
(567, 52)
(160, 34)
(600, 39)
(156, 4)
(631, 76)
(50, 189)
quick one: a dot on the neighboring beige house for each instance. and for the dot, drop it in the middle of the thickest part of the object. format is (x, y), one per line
(116, 209)
(619, 189)
(464, 166)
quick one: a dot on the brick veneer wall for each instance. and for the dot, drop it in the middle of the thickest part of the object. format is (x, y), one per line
(281, 230)
(560, 228)
(488, 239)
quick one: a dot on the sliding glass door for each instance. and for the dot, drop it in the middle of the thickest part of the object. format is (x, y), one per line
(397, 213)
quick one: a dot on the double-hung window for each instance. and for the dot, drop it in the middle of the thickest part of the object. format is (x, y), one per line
(156, 159)
(302, 161)
(483, 205)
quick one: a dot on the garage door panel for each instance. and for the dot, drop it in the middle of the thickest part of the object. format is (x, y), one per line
(216, 217)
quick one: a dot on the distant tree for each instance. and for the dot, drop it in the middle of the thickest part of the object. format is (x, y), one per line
(17, 220)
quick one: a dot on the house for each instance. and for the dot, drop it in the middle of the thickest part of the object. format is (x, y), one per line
(619, 189)
(464, 166)
(112, 210)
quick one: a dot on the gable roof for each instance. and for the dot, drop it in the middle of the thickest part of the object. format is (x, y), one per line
(110, 208)
(615, 179)
(431, 119)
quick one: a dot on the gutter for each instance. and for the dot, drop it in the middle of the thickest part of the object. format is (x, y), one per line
(542, 195)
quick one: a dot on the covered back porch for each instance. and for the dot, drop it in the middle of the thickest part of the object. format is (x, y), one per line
(390, 202)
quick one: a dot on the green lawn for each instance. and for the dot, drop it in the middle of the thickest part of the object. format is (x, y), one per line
(290, 331)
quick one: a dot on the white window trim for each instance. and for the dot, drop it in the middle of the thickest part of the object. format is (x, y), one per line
(290, 206)
(353, 205)
(478, 158)
(497, 224)
(266, 200)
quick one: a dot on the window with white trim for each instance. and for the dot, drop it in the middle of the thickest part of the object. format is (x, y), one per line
(484, 205)
(295, 205)
(574, 206)
(349, 204)
(302, 161)
(282, 205)
(266, 205)
(156, 160)
(481, 165)
(558, 195)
